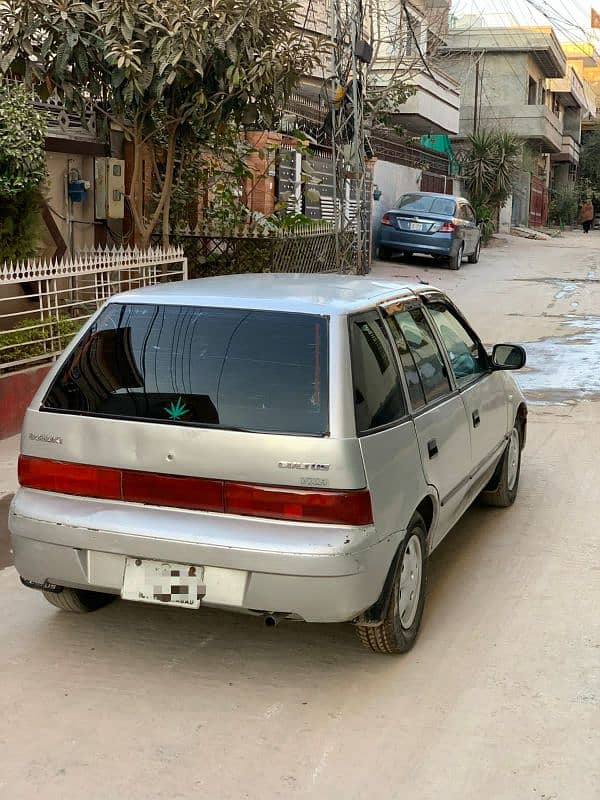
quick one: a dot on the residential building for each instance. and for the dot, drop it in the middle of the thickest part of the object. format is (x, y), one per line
(415, 33)
(576, 103)
(517, 79)
(584, 58)
(409, 35)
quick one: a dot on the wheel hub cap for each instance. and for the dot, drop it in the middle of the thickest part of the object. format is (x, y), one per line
(409, 588)
(513, 459)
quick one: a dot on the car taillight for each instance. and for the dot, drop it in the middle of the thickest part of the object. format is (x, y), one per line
(330, 506)
(302, 505)
(447, 227)
(386, 220)
(68, 478)
(199, 494)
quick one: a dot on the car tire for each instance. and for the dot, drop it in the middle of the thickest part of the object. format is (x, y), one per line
(455, 262)
(474, 257)
(384, 254)
(400, 627)
(77, 601)
(505, 482)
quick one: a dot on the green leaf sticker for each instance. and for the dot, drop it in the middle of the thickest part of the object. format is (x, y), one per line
(177, 410)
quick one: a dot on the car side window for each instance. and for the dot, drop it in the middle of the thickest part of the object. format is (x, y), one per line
(468, 359)
(426, 355)
(409, 367)
(469, 214)
(378, 395)
(461, 211)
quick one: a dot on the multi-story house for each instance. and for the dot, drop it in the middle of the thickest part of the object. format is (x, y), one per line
(517, 79)
(404, 37)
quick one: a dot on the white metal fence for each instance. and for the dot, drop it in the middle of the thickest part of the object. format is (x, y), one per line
(43, 304)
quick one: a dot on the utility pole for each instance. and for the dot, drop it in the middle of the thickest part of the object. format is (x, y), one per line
(352, 207)
(476, 106)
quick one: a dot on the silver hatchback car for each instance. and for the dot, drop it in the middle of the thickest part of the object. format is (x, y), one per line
(282, 445)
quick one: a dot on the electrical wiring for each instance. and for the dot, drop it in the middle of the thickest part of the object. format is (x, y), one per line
(78, 221)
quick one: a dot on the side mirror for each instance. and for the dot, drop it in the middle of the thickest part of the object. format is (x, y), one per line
(509, 356)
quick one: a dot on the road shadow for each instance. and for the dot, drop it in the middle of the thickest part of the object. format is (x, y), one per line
(239, 648)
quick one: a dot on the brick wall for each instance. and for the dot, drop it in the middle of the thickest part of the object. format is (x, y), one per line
(16, 391)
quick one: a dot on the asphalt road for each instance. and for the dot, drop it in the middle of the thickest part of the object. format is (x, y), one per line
(499, 699)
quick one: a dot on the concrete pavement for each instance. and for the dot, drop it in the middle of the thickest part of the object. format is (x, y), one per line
(499, 699)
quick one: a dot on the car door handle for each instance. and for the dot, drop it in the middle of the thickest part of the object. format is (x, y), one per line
(476, 418)
(432, 448)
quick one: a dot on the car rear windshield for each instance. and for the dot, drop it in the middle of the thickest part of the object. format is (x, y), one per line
(426, 203)
(226, 368)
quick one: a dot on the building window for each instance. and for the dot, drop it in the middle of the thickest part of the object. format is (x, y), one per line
(555, 105)
(533, 92)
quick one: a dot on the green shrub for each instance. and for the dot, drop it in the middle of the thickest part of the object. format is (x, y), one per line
(22, 172)
(564, 206)
(292, 220)
(22, 136)
(20, 225)
(487, 226)
(22, 343)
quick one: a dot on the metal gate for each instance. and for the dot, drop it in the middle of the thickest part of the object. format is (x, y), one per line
(538, 203)
(434, 182)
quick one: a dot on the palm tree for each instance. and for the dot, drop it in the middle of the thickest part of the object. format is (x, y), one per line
(489, 163)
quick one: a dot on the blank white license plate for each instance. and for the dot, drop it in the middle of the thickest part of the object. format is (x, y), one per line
(161, 582)
(415, 226)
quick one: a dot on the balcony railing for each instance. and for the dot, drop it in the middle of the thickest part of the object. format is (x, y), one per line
(533, 122)
(570, 151)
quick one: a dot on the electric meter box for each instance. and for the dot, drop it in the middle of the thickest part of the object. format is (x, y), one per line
(109, 174)
(100, 178)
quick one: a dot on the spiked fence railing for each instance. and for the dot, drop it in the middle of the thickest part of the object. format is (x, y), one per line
(44, 303)
(217, 250)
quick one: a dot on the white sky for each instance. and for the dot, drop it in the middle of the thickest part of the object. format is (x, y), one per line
(570, 18)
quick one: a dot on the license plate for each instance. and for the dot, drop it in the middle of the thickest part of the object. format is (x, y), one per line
(164, 583)
(415, 226)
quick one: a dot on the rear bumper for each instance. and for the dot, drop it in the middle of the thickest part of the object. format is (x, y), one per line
(436, 244)
(319, 574)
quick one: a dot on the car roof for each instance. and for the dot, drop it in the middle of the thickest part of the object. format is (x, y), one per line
(325, 294)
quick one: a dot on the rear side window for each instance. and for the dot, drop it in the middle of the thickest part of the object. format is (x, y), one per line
(425, 353)
(227, 368)
(378, 397)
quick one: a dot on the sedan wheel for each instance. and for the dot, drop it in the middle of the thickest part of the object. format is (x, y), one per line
(474, 257)
(456, 261)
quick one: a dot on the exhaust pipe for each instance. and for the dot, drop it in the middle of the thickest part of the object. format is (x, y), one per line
(273, 620)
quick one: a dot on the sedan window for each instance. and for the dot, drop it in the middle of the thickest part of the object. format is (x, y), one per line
(470, 215)
(467, 356)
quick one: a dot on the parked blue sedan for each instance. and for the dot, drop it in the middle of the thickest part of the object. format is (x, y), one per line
(439, 225)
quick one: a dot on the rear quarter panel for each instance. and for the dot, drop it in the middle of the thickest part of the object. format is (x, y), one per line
(394, 476)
